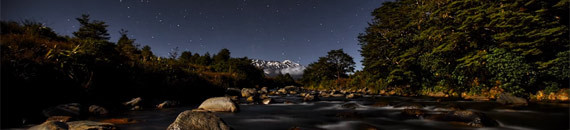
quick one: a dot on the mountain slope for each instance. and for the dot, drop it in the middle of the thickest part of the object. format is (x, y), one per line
(273, 68)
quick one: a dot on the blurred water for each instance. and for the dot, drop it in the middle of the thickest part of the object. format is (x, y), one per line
(324, 114)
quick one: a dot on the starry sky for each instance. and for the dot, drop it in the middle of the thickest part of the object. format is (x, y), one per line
(298, 30)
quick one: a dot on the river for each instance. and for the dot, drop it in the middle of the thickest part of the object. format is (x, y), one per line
(328, 113)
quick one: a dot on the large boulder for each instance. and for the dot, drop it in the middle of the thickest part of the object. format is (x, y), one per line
(90, 125)
(219, 104)
(50, 125)
(248, 92)
(195, 120)
(71, 109)
(508, 99)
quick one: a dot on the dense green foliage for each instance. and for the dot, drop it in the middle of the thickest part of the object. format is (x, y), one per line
(467, 45)
(42, 69)
(328, 70)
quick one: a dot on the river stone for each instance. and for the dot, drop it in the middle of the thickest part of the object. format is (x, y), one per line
(247, 92)
(350, 105)
(60, 118)
(507, 99)
(71, 109)
(352, 95)
(267, 101)
(90, 125)
(412, 113)
(50, 125)
(97, 110)
(263, 90)
(194, 120)
(233, 91)
(133, 102)
(166, 104)
(475, 119)
(250, 99)
(309, 97)
(219, 104)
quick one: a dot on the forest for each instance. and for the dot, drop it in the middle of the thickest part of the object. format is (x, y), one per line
(459, 48)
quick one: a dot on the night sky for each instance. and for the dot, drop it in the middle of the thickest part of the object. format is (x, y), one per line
(298, 30)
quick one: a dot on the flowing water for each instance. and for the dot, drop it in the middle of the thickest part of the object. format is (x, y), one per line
(329, 113)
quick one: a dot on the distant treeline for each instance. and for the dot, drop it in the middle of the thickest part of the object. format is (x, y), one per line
(41, 69)
(456, 46)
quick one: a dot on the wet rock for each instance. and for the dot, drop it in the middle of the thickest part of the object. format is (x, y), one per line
(282, 90)
(350, 105)
(50, 125)
(267, 101)
(263, 90)
(133, 102)
(90, 125)
(233, 92)
(288, 102)
(263, 96)
(412, 113)
(250, 99)
(292, 92)
(450, 106)
(60, 118)
(98, 110)
(167, 104)
(309, 97)
(352, 95)
(194, 120)
(324, 94)
(471, 118)
(136, 108)
(247, 92)
(119, 121)
(508, 99)
(219, 104)
(71, 109)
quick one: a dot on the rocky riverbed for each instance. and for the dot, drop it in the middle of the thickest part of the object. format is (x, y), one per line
(293, 108)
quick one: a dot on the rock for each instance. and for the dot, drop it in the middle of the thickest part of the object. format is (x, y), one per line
(71, 109)
(352, 95)
(471, 118)
(263, 96)
(309, 97)
(219, 104)
(133, 102)
(267, 101)
(250, 99)
(50, 125)
(292, 92)
(263, 90)
(119, 121)
(98, 110)
(562, 95)
(90, 125)
(507, 99)
(412, 113)
(136, 108)
(288, 102)
(323, 94)
(350, 105)
(291, 88)
(193, 120)
(282, 90)
(167, 104)
(247, 92)
(60, 118)
(233, 92)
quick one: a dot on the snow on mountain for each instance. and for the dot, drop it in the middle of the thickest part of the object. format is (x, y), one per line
(272, 68)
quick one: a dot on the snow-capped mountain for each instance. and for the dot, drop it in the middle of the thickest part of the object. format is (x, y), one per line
(272, 68)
